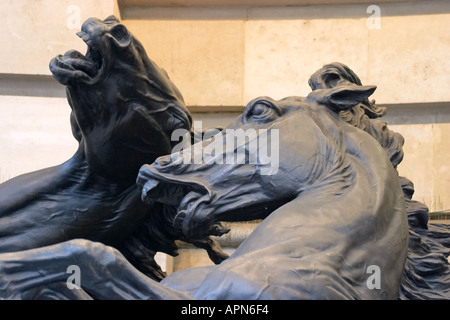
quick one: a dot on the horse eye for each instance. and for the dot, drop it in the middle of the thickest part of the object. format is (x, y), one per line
(261, 111)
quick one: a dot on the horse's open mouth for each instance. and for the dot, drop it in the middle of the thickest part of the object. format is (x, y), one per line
(75, 66)
(203, 196)
(92, 53)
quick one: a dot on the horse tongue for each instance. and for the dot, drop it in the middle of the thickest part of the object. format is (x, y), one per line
(79, 62)
(73, 54)
(169, 177)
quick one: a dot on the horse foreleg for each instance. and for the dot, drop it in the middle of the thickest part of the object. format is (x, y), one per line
(104, 273)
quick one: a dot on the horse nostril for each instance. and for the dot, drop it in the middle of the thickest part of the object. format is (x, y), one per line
(162, 161)
(149, 188)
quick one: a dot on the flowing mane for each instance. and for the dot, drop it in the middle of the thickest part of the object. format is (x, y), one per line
(427, 272)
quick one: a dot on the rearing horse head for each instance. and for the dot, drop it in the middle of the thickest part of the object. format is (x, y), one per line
(330, 198)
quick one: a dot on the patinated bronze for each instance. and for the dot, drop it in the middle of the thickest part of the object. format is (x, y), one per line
(124, 110)
(332, 204)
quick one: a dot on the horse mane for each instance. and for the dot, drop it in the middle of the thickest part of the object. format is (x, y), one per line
(427, 270)
(363, 115)
(157, 234)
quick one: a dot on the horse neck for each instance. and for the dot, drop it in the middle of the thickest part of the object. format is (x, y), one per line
(359, 192)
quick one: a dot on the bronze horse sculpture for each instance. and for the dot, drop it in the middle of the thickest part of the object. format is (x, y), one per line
(124, 110)
(332, 207)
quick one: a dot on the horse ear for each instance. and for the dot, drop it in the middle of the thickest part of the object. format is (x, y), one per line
(111, 18)
(343, 97)
(120, 36)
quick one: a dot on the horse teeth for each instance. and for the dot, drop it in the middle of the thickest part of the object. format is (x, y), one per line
(82, 34)
(178, 220)
(85, 37)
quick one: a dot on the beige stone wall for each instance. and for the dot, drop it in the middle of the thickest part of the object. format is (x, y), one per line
(221, 57)
(34, 31)
(240, 53)
(427, 161)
